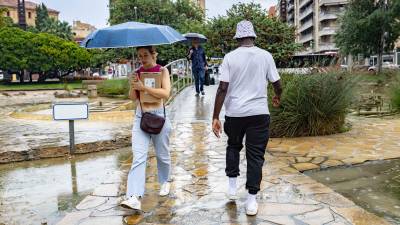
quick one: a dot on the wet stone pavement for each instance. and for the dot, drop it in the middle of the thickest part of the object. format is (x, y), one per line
(199, 186)
(22, 139)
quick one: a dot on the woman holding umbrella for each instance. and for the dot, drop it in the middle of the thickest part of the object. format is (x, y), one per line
(151, 122)
(141, 139)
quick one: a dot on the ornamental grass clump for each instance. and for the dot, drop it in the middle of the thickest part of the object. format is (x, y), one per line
(313, 105)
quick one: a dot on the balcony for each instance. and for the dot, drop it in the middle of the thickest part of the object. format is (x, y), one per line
(327, 46)
(332, 2)
(306, 12)
(304, 2)
(326, 31)
(306, 51)
(290, 8)
(327, 16)
(306, 25)
(306, 38)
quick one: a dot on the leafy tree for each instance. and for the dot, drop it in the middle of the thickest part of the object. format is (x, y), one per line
(179, 14)
(50, 25)
(363, 27)
(5, 21)
(42, 15)
(41, 53)
(273, 35)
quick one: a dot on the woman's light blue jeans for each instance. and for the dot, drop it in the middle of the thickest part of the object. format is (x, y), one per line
(140, 148)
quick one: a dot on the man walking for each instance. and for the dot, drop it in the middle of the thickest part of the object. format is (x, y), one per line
(199, 64)
(245, 73)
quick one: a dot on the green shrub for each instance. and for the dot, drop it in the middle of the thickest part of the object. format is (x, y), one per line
(114, 88)
(395, 94)
(312, 105)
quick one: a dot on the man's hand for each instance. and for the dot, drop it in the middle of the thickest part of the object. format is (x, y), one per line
(217, 127)
(276, 101)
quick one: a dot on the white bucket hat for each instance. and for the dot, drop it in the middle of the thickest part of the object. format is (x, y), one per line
(244, 29)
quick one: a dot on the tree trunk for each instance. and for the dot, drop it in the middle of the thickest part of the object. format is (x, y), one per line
(21, 76)
(380, 61)
(30, 77)
(350, 63)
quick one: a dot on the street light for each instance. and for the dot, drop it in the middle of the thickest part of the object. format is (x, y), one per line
(135, 12)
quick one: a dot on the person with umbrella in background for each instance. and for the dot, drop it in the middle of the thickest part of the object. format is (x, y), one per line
(151, 122)
(199, 62)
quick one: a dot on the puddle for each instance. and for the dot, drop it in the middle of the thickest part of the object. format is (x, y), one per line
(38, 191)
(374, 186)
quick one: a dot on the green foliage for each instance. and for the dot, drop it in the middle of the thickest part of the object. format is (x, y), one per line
(312, 105)
(40, 53)
(50, 25)
(42, 15)
(114, 87)
(273, 35)
(182, 15)
(5, 21)
(363, 25)
(395, 94)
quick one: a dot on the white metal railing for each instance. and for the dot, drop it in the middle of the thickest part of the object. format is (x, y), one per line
(180, 76)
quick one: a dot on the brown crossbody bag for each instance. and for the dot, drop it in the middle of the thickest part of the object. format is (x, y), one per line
(151, 123)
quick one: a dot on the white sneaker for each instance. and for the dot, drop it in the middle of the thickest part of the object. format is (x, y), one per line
(165, 187)
(251, 208)
(132, 203)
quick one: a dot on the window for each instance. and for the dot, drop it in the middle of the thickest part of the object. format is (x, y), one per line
(8, 13)
(29, 15)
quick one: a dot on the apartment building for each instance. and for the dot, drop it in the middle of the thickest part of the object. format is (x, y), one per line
(316, 22)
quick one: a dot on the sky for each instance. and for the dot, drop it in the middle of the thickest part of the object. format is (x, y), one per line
(96, 12)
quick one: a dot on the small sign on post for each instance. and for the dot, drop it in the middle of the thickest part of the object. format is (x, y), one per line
(71, 111)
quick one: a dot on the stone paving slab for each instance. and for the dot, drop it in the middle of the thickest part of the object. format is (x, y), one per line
(199, 186)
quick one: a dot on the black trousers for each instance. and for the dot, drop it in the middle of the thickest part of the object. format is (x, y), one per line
(256, 129)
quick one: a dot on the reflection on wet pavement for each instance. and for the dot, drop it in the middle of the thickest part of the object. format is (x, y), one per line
(32, 192)
(374, 186)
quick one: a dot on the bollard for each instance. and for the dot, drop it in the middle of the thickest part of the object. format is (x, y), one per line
(92, 91)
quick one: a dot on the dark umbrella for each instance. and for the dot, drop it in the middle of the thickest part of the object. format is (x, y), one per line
(195, 36)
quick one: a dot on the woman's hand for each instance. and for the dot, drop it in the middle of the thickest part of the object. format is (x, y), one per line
(138, 85)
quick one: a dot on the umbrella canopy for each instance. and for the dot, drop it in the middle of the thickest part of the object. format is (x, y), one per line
(191, 36)
(132, 34)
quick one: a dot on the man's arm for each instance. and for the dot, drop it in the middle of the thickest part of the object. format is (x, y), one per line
(219, 101)
(276, 100)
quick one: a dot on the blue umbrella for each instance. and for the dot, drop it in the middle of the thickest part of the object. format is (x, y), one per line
(132, 34)
(191, 36)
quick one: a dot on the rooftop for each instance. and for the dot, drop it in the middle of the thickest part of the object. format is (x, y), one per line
(28, 5)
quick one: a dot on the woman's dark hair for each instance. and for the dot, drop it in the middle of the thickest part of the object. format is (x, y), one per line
(151, 49)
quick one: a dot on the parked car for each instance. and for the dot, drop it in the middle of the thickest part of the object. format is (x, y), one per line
(385, 66)
(1, 75)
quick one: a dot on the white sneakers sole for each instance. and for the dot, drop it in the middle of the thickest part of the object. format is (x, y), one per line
(165, 189)
(252, 211)
(132, 203)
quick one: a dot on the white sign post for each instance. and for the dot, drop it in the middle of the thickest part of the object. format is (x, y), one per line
(71, 111)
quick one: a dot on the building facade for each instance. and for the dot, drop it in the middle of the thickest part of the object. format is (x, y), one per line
(316, 22)
(81, 30)
(30, 11)
(201, 3)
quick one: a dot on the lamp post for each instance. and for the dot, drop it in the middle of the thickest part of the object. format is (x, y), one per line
(135, 8)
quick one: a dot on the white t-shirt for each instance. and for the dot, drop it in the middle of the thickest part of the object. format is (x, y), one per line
(248, 70)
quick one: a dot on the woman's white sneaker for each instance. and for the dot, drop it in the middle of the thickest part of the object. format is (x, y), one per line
(132, 203)
(165, 188)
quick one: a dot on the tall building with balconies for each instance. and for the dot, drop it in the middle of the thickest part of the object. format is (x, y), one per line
(316, 23)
